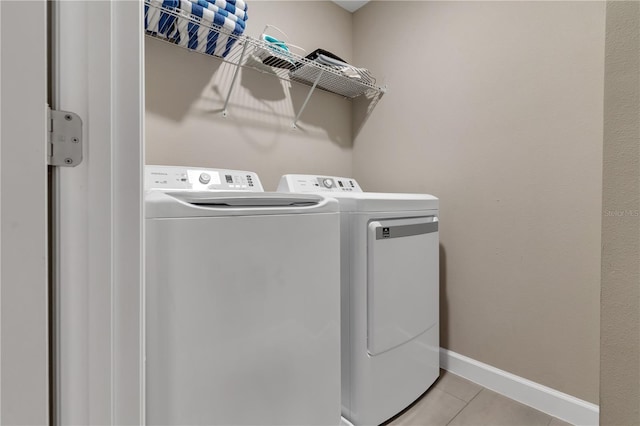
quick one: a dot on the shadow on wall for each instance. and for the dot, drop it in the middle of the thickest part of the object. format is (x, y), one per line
(361, 109)
(320, 111)
(263, 85)
(263, 100)
(174, 83)
(257, 99)
(444, 306)
(180, 83)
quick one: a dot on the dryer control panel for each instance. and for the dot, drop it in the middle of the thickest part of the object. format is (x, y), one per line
(200, 179)
(314, 183)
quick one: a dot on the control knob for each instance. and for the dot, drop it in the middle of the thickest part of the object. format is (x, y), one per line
(204, 178)
(328, 183)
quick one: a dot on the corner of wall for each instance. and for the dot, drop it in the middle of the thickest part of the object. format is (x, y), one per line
(620, 290)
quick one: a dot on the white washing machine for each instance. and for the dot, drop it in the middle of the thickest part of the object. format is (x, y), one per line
(390, 295)
(242, 301)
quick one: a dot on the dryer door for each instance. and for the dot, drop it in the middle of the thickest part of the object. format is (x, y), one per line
(402, 281)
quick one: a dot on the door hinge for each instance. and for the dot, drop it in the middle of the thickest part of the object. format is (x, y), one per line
(64, 138)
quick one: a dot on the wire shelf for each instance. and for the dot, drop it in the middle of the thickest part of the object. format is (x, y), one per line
(188, 31)
(181, 28)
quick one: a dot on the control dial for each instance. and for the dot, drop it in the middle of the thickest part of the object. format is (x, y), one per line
(328, 183)
(205, 178)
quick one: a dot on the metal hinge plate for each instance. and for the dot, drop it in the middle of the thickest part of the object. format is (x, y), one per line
(65, 138)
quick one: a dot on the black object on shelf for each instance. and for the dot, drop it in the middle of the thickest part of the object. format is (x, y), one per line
(314, 55)
(274, 61)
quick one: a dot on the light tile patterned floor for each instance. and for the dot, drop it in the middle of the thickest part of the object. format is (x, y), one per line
(453, 400)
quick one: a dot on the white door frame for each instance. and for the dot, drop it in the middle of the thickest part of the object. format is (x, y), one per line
(99, 63)
(24, 368)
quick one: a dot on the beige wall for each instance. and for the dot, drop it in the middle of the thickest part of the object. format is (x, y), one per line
(185, 93)
(496, 107)
(620, 339)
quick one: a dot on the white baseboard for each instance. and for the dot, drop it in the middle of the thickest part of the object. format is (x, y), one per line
(542, 398)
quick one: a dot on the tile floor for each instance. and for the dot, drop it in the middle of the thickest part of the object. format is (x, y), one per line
(453, 400)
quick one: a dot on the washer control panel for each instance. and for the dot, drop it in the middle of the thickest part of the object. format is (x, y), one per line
(200, 179)
(313, 183)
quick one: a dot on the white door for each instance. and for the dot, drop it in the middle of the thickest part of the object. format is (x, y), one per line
(98, 74)
(402, 281)
(24, 368)
(93, 375)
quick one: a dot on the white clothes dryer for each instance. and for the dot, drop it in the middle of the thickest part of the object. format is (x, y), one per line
(242, 296)
(390, 295)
